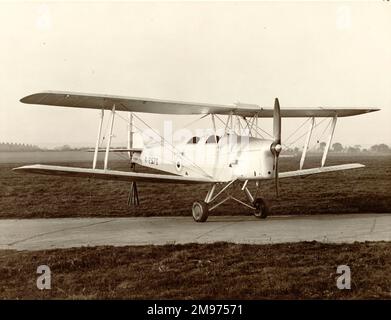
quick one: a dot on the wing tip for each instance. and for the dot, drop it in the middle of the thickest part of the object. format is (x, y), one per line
(27, 167)
(26, 99)
(359, 165)
(31, 98)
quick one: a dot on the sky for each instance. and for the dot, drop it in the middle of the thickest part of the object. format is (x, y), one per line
(308, 54)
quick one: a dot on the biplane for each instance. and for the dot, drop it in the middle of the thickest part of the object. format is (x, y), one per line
(220, 161)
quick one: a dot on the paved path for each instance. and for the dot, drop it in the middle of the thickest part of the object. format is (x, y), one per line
(37, 234)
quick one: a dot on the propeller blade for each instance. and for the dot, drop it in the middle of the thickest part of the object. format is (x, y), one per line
(276, 146)
(277, 122)
(276, 181)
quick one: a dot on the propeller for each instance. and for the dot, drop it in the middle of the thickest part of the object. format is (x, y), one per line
(276, 147)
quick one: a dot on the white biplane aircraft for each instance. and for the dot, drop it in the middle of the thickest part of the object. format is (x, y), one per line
(229, 161)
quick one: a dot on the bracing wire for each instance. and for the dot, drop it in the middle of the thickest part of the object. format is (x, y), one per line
(287, 145)
(194, 121)
(297, 129)
(172, 146)
(320, 137)
(315, 126)
(254, 127)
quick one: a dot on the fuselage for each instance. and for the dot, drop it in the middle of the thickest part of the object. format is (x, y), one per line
(221, 158)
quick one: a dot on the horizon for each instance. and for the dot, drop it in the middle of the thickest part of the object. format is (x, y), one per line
(53, 147)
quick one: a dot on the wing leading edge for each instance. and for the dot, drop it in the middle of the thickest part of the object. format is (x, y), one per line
(147, 105)
(307, 172)
(110, 174)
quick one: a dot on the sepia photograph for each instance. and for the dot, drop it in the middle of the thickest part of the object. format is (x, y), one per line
(195, 151)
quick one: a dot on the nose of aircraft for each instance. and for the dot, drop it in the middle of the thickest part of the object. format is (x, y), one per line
(275, 148)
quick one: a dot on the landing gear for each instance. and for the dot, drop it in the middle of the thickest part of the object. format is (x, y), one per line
(200, 211)
(261, 208)
(133, 199)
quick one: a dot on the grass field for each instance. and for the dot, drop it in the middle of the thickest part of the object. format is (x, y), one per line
(195, 271)
(31, 196)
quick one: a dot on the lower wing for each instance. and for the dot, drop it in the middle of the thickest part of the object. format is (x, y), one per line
(307, 172)
(110, 174)
(162, 178)
(135, 150)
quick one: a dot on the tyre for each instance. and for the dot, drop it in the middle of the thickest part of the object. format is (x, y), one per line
(200, 211)
(261, 208)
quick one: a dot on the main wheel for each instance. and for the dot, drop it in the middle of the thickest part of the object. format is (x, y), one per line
(261, 208)
(200, 211)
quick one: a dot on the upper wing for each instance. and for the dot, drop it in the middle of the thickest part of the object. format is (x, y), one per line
(307, 172)
(94, 101)
(109, 174)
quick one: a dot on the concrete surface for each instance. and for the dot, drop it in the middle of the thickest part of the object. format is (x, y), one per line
(37, 234)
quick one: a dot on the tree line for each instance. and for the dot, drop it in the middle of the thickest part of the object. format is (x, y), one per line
(379, 148)
(6, 146)
(337, 147)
